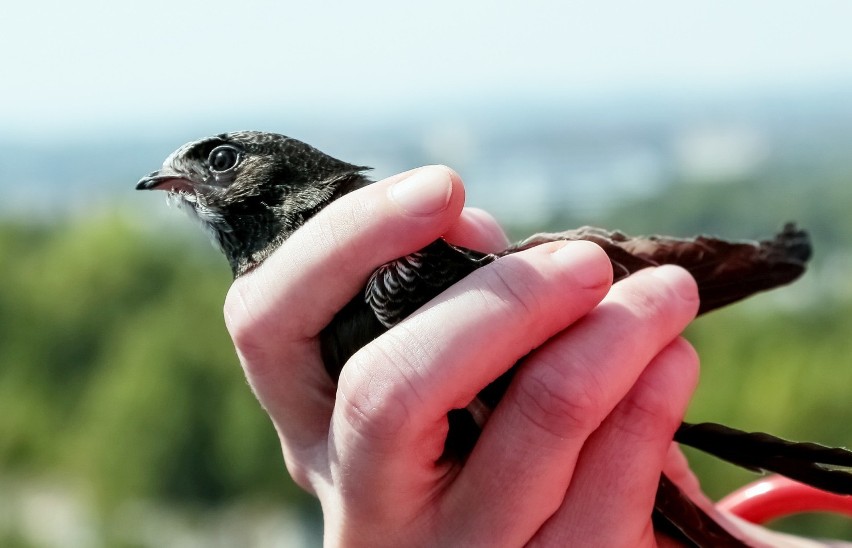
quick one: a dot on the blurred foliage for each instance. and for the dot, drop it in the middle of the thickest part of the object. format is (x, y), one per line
(116, 370)
(787, 373)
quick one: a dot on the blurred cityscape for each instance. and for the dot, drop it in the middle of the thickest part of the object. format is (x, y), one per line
(527, 163)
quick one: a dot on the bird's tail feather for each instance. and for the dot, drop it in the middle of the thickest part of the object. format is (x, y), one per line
(826, 468)
(676, 515)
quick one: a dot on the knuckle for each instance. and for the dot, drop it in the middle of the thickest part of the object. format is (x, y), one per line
(656, 403)
(236, 307)
(513, 283)
(560, 406)
(246, 330)
(300, 474)
(646, 414)
(373, 403)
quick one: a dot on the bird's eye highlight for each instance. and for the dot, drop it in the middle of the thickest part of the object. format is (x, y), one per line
(223, 158)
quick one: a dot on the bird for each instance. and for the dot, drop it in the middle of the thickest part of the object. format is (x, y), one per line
(251, 190)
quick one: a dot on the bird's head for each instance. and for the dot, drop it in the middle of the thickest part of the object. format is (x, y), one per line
(252, 189)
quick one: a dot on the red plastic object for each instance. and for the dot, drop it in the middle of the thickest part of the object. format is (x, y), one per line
(776, 496)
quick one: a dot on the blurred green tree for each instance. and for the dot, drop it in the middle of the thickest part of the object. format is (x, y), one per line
(117, 369)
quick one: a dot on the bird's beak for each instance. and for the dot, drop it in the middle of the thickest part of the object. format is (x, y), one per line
(165, 179)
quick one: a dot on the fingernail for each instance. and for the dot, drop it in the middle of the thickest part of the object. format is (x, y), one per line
(677, 278)
(591, 269)
(425, 192)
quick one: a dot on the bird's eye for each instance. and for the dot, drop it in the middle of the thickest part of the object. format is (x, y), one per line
(223, 158)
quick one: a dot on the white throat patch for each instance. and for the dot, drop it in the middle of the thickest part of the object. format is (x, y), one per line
(212, 222)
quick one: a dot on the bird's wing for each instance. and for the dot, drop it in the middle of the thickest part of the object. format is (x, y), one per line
(400, 287)
(726, 271)
(394, 291)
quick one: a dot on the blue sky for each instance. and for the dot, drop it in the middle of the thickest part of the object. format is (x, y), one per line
(83, 65)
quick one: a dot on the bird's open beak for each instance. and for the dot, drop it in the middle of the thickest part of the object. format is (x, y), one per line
(165, 179)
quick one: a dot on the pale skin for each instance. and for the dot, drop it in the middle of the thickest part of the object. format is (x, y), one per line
(573, 453)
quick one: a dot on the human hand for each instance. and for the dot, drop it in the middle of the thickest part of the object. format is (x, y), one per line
(574, 451)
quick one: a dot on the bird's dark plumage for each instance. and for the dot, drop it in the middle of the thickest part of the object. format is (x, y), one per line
(251, 190)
